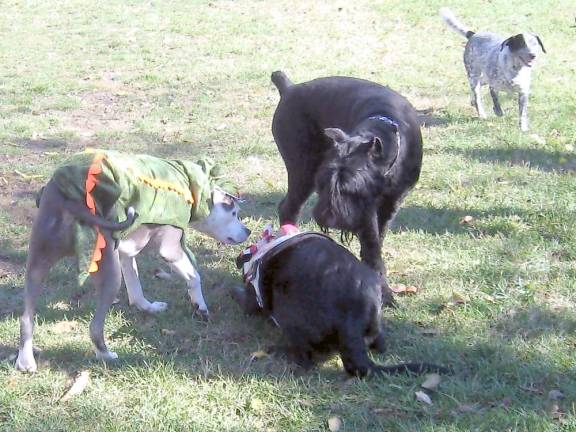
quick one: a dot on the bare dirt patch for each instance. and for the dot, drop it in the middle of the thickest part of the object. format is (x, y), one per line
(112, 106)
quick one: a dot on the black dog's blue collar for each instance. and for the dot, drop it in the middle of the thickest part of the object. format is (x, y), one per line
(389, 121)
(384, 119)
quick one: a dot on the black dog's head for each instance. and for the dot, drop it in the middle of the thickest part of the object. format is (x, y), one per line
(353, 173)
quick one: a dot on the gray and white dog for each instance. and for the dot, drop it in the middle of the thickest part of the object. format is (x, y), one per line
(503, 64)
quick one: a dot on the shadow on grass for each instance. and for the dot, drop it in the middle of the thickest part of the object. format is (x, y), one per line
(545, 160)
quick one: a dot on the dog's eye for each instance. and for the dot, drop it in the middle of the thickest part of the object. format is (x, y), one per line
(234, 213)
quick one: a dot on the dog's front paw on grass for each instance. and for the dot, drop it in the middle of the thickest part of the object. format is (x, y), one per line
(24, 364)
(156, 307)
(107, 356)
(203, 314)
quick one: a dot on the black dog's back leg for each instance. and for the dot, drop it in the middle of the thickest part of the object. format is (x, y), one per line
(296, 348)
(300, 187)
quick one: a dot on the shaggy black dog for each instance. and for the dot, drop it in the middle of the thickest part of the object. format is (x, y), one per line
(355, 142)
(324, 300)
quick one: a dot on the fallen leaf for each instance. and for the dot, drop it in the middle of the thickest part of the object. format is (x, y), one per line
(78, 385)
(423, 397)
(221, 126)
(467, 220)
(256, 355)
(431, 381)
(403, 289)
(334, 423)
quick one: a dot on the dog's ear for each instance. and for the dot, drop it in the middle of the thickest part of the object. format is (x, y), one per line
(515, 42)
(377, 149)
(221, 197)
(541, 44)
(336, 135)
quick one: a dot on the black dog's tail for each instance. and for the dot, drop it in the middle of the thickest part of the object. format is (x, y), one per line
(410, 368)
(281, 81)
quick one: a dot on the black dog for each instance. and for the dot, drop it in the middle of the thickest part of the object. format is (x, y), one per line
(324, 300)
(358, 144)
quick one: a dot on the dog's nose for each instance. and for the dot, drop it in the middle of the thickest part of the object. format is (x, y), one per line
(531, 56)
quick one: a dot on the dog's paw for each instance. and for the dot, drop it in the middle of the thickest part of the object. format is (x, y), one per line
(106, 356)
(26, 364)
(156, 307)
(203, 314)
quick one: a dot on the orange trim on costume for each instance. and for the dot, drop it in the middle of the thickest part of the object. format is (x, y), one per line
(160, 184)
(92, 180)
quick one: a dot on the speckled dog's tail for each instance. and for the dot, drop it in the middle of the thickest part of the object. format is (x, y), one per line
(454, 23)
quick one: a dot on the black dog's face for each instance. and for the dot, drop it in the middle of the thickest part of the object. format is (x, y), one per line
(349, 180)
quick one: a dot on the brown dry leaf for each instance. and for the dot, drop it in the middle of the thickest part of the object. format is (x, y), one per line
(403, 289)
(423, 397)
(398, 288)
(78, 385)
(431, 381)
(334, 423)
(257, 355)
(467, 220)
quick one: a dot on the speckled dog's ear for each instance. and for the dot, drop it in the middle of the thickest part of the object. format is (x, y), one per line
(515, 43)
(541, 44)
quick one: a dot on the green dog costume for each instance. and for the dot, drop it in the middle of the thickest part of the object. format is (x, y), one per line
(166, 192)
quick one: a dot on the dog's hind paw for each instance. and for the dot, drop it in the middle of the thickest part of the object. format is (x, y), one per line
(106, 355)
(156, 307)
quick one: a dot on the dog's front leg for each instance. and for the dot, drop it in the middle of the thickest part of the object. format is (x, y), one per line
(184, 268)
(496, 102)
(134, 287)
(370, 245)
(523, 108)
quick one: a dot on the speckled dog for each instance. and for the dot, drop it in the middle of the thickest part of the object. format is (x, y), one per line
(503, 64)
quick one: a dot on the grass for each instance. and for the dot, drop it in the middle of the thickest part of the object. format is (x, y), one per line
(190, 78)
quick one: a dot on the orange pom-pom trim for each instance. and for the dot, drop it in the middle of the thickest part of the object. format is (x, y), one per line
(92, 180)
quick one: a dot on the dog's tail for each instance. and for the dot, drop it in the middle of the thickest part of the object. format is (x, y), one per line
(80, 212)
(410, 368)
(454, 23)
(281, 81)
